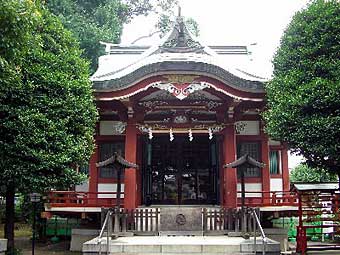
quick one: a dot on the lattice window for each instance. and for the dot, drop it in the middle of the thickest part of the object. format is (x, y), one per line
(274, 162)
(106, 150)
(253, 150)
(85, 169)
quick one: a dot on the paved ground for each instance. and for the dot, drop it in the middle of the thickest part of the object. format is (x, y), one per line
(61, 248)
(293, 246)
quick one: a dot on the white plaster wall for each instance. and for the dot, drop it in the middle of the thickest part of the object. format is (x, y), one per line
(251, 187)
(249, 127)
(109, 187)
(274, 142)
(276, 184)
(106, 127)
(84, 187)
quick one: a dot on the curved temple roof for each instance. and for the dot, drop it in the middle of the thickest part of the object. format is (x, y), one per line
(178, 52)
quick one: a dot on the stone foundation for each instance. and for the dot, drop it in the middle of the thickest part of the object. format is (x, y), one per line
(280, 235)
(80, 236)
(3, 246)
(178, 219)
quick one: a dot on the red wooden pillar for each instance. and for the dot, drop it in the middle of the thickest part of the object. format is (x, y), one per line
(130, 188)
(138, 175)
(265, 169)
(230, 176)
(93, 171)
(285, 170)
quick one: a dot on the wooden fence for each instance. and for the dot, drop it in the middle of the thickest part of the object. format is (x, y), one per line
(227, 220)
(139, 221)
(146, 221)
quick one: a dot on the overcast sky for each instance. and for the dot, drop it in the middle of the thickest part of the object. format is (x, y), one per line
(233, 22)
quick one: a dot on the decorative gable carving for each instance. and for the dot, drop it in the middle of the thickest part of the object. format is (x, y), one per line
(183, 90)
(180, 40)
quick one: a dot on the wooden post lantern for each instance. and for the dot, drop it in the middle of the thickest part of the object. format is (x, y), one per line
(118, 163)
(244, 161)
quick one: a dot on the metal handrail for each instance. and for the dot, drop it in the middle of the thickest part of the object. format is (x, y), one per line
(257, 223)
(99, 238)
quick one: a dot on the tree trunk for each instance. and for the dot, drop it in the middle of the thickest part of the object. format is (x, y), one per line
(9, 224)
(338, 172)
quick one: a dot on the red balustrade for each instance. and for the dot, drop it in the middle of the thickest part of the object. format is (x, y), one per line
(268, 198)
(108, 199)
(82, 199)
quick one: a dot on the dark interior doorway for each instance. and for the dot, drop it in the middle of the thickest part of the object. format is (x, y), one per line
(180, 172)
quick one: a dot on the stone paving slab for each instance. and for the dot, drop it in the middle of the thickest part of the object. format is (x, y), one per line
(168, 245)
(178, 240)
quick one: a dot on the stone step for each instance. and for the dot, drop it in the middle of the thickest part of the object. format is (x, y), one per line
(329, 252)
(271, 247)
(165, 245)
(165, 249)
(324, 252)
(187, 253)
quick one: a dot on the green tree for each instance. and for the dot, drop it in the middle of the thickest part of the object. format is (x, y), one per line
(304, 173)
(102, 20)
(303, 96)
(47, 113)
(91, 22)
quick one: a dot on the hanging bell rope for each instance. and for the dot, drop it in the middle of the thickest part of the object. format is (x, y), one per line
(210, 133)
(171, 135)
(150, 133)
(190, 135)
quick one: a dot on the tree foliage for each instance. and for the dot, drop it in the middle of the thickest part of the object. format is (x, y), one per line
(91, 22)
(102, 20)
(144, 7)
(164, 25)
(304, 173)
(303, 96)
(47, 109)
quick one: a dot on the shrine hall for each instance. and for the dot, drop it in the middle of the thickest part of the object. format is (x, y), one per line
(180, 110)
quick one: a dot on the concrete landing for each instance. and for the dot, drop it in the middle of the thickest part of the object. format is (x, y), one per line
(168, 245)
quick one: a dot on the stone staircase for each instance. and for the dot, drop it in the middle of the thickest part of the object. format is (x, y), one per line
(176, 245)
(180, 230)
